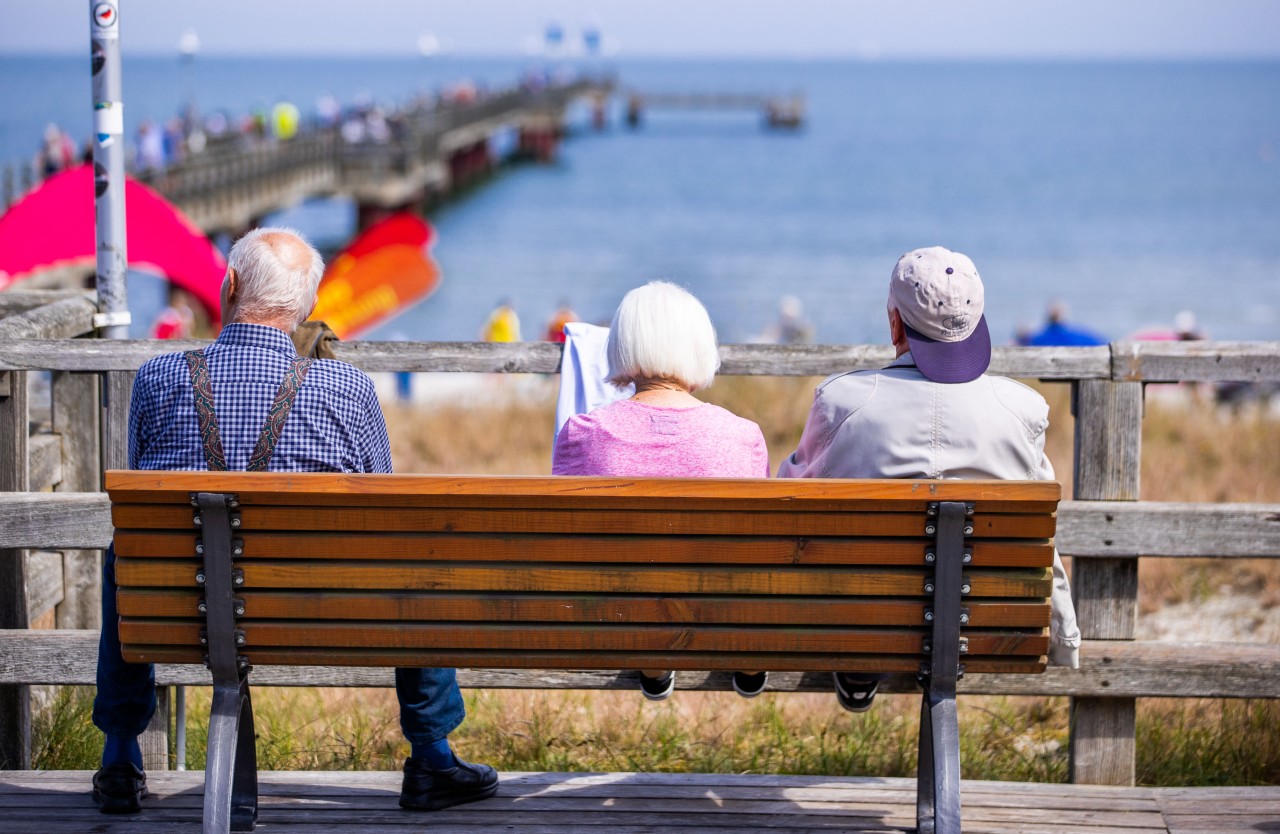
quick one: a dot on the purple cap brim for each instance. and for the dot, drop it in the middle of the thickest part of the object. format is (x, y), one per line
(952, 361)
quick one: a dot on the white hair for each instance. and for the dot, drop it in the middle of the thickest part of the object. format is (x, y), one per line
(661, 331)
(277, 275)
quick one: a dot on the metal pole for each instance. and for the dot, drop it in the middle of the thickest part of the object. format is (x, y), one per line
(108, 169)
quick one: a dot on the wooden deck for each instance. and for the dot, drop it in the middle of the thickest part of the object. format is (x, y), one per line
(58, 802)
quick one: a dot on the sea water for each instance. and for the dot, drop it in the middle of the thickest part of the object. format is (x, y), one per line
(1129, 191)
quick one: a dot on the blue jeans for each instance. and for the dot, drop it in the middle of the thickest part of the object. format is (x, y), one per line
(430, 702)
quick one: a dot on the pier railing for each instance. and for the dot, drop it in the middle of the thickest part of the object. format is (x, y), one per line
(237, 179)
(54, 520)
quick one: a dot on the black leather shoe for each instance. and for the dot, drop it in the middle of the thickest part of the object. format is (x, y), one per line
(425, 789)
(120, 788)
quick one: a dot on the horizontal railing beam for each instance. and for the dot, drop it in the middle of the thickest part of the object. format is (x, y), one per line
(1148, 528)
(1159, 361)
(1107, 669)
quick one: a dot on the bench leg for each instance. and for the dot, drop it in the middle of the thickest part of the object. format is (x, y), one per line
(938, 773)
(231, 766)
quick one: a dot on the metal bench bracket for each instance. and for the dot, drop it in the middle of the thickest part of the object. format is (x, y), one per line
(231, 771)
(938, 774)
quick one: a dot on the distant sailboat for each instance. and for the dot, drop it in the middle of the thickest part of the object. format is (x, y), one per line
(188, 44)
(428, 45)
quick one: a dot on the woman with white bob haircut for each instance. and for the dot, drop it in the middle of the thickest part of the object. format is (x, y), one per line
(662, 341)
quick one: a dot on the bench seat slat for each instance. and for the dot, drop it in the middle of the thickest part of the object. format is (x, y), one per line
(589, 637)
(598, 578)
(330, 489)
(532, 548)
(426, 606)
(672, 521)
(695, 661)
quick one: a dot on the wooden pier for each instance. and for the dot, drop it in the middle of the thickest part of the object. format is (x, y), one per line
(434, 149)
(54, 520)
(777, 111)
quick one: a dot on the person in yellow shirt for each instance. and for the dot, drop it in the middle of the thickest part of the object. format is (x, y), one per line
(503, 324)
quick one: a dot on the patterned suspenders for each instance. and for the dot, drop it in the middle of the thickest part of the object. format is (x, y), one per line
(276, 416)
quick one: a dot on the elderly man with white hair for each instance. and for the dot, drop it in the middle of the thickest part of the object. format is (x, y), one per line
(250, 402)
(932, 413)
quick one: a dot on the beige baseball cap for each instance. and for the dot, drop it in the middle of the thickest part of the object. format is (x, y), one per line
(939, 295)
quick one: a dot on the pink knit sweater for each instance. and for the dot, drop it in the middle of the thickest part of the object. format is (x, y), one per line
(630, 438)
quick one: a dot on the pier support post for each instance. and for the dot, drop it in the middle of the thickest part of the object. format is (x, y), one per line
(1108, 444)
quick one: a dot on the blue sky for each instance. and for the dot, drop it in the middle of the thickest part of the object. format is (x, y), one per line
(897, 29)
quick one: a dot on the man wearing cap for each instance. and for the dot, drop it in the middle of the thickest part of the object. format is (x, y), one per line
(932, 413)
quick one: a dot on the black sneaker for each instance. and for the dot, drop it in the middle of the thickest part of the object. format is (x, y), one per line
(749, 686)
(120, 788)
(424, 789)
(659, 688)
(854, 694)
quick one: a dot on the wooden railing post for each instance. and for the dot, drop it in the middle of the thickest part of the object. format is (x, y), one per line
(117, 390)
(75, 420)
(1108, 443)
(15, 699)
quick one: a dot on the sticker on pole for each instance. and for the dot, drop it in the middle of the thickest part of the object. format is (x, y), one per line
(104, 18)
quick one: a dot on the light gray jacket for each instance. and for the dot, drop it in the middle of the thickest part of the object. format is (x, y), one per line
(895, 423)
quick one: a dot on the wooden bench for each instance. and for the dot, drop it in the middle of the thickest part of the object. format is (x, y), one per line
(929, 578)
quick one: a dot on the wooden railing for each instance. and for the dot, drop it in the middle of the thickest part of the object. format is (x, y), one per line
(1105, 528)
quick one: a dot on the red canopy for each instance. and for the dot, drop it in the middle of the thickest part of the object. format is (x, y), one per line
(53, 226)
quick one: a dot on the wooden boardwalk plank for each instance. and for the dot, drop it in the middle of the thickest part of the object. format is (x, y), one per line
(58, 802)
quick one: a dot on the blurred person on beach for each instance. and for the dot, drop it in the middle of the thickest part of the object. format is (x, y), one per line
(1058, 332)
(790, 327)
(503, 325)
(57, 152)
(932, 413)
(177, 320)
(555, 325)
(206, 409)
(662, 341)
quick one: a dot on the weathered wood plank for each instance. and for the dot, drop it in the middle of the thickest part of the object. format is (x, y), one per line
(55, 520)
(625, 803)
(1196, 361)
(1147, 361)
(117, 392)
(75, 414)
(15, 701)
(1121, 668)
(44, 582)
(14, 301)
(44, 463)
(1109, 529)
(1108, 443)
(61, 319)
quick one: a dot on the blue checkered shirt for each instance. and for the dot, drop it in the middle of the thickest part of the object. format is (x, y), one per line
(336, 424)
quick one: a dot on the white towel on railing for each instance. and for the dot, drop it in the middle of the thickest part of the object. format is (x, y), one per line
(584, 371)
